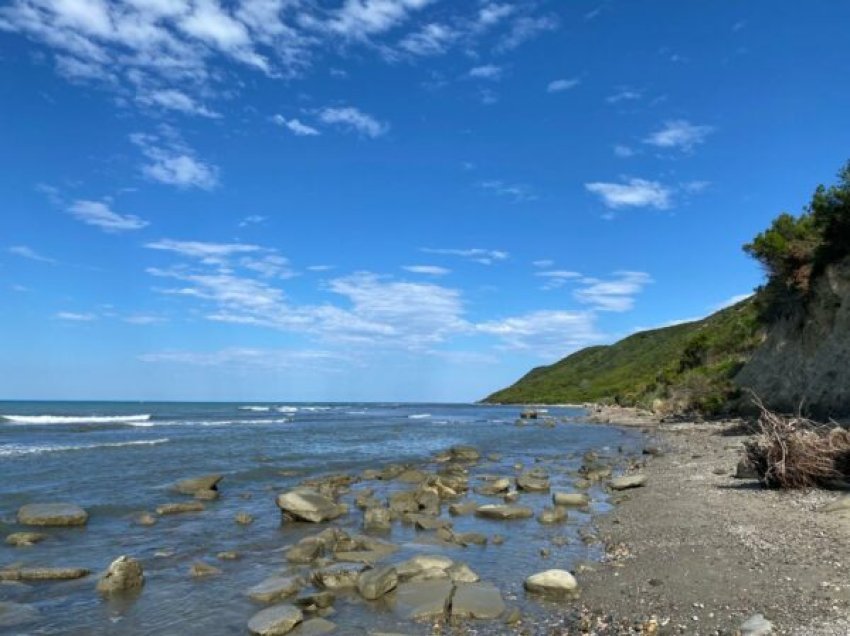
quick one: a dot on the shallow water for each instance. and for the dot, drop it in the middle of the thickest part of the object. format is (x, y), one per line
(116, 463)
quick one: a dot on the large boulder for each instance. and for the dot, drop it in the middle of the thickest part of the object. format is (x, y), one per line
(477, 600)
(556, 582)
(308, 505)
(275, 621)
(274, 588)
(124, 575)
(194, 485)
(504, 511)
(52, 514)
(373, 584)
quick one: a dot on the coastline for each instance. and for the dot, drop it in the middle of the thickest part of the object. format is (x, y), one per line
(698, 551)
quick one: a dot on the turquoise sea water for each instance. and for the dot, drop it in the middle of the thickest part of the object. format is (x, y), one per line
(119, 459)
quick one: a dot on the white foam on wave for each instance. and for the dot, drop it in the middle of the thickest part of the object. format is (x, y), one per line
(280, 420)
(76, 419)
(419, 416)
(286, 409)
(260, 409)
(16, 450)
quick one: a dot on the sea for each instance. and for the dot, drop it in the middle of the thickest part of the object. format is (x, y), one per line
(119, 459)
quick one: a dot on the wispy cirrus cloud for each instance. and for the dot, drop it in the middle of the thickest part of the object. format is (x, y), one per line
(679, 134)
(557, 278)
(72, 316)
(350, 118)
(100, 215)
(172, 162)
(296, 126)
(561, 85)
(517, 192)
(546, 333)
(615, 294)
(474, 254)
(24, 251)
(430, 270)
(486, 72)
(635, 193)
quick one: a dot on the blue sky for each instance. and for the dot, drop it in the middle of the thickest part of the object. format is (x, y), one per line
(388, 199)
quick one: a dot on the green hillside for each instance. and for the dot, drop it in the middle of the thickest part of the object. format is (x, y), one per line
(687, 366)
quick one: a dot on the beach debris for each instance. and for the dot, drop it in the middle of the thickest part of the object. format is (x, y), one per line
(506, 511)
(756, 625)
(275, 621)
(304, 504)
(557, 582)
(52, 514)
(125, 574)
(275, 588)
(627, 481)
(25, 539)
(477, 600)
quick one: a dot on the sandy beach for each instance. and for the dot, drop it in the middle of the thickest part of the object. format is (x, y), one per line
(698, 551)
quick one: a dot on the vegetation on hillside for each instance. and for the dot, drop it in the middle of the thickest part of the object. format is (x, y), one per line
(688, 367)
(691, 367)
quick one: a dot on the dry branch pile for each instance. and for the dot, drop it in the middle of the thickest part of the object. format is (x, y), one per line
(795, 452)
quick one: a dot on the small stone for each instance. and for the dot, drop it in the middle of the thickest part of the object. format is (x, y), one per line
(552, 582)
(628, 481)
(373, 584)
(577, 499)
(180, 508)
(25, 539)
(552, 515)
(243, 518)
(498, 511)
(52, 514)
(146, 519)
(200, 569)
(43, 574)
(194, 485)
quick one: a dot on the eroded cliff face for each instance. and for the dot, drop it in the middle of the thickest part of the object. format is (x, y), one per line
(805, 360)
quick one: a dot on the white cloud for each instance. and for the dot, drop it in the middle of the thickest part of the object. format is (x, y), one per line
(354, 119)
(475, 254)
(516, 191)
(548, 333)
(100, 215)
(624, 94)
(244, 357)
(615, 294)
(431, 270)
(638, 193)
(253, 219)
(171, 162)
(493, 13)
(557, 278)
(487, 71)
(173, 99)
(525, 28)
(27, 252)
(320, 268)
(144, 319)
(295, 126)
(623, 151)
(544, 262)
(679, 134)
(560, 85)
(431, 39)
(75, 317)
(203, 250)
(358, 19)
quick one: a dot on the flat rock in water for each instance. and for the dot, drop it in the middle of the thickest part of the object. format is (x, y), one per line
(308, 505)
(756, 625)
(275, 621)
(533, 482)
(628, 481)
(43, 574)
(423, 599)
(125, 574)
(12, 614)
(499, 511)
(179, 508)
(274, 588)
(570, 499)
(462, 508)
(25, 539)
(552, 515)
(52, 514)
(462, 573)
(194, 485)
(337, 577)
(422, 563)
(314, 627)
(552, 582)
(477, 600)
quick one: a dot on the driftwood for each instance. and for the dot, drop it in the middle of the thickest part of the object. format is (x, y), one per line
(796, 452)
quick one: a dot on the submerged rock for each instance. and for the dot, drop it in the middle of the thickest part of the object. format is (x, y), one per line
(201, 570)
(464, 454)
(314, 627)
(52, 514)
(628, 481)
(499, 511)
(477, 600)
(43, 574)
(275, 621)
(179, 508)
(274, 588)
(25, 539)
(124, 575)
(422, 599)
(308, 505)
(243, 518)
(552, 582)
